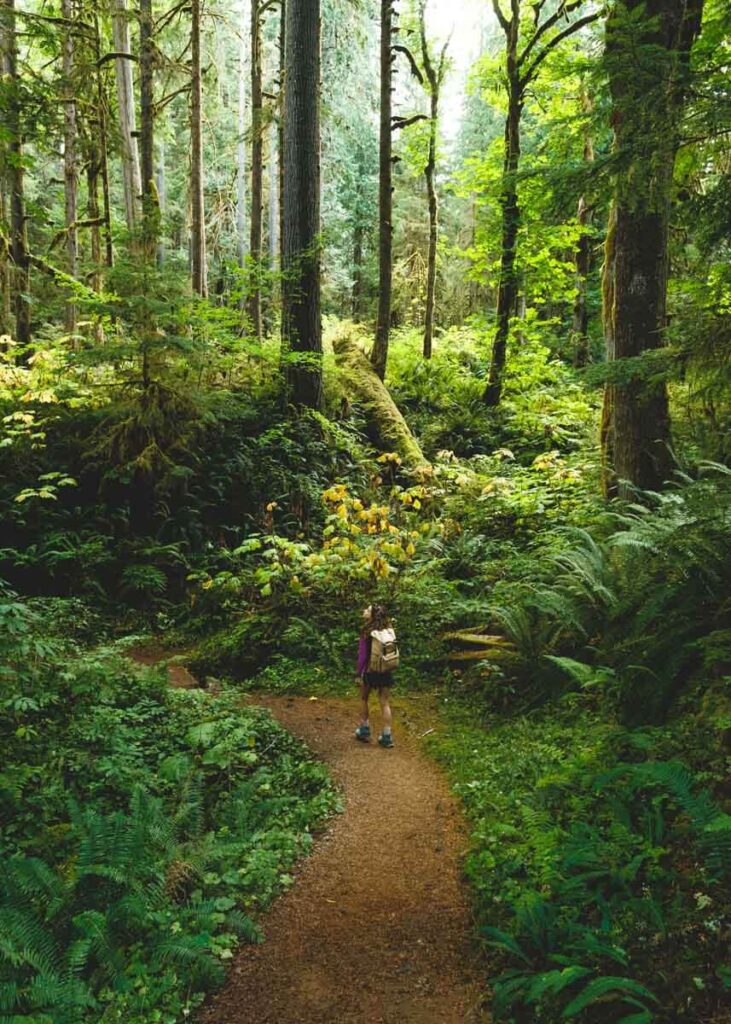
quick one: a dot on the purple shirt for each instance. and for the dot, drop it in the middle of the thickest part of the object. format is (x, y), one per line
(363, 654)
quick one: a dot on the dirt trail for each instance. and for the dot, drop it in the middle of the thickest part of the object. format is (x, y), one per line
(376, 928)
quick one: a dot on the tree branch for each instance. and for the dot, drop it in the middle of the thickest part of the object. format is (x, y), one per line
(404, 122)
(415, 71)
(553, 43)
(563, 11)
(116, 55)
(504, 23)
(164, 20)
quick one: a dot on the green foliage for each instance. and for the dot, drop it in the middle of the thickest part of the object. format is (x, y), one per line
(601, 882)
(176, 818)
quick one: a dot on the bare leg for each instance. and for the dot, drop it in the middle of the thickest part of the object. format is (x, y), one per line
(365, 692)
(383, 695)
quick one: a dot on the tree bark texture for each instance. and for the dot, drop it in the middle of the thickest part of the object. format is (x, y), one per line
(103, 148)
(70, 174)
(582, 257)
(127, 122)
(387, 427)
(301, 318)
(257, 169)
(379, 355)
(198, 219)
(510, 212)
(647, 104)
(19, 258)
(434, 76)
(241, 158)
(150, 204)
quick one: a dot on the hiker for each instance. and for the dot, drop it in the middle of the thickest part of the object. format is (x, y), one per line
(378, 656)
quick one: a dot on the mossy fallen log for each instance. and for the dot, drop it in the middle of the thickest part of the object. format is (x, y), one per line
(386, 426)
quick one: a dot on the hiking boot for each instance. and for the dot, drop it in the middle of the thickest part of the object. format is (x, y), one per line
(363, 733)
(385, 740)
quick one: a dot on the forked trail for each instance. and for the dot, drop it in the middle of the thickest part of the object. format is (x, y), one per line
(377, 926)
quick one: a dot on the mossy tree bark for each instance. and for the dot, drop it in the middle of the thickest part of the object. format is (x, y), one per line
(301, 317)
(655, 40)
(388, 429)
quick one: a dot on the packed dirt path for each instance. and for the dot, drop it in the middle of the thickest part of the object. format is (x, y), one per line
(376, 929)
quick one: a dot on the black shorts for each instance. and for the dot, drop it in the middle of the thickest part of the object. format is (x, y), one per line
(378, 680)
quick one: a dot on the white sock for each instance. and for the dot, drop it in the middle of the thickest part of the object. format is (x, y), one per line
(387, 730)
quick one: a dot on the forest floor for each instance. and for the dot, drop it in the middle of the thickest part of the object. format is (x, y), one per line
(377, 927)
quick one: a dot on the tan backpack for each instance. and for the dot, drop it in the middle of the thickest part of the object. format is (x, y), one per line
(384, 651)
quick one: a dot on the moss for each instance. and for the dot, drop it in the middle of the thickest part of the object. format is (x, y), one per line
(387, 427)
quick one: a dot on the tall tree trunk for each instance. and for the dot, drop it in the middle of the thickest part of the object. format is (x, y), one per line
(580, 318)
(70, 132)
(646, 112)
(606, 439)
(200, 278)
(93, 213)
(282, 84)
(150, 203)
(257, 168)
(5, 274)
(273, 199)
(357, 291)
(434, 75)
(19, 259)
(126, 104)
(162, 194)
(379, 356)
(241, 156)
(103, 163)
(301, 319)
(510, 212)
(431, 192)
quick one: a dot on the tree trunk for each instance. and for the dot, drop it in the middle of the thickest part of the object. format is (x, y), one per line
(357, 291)
(19, 260)
(126, 104)
(70, 179)
(301, 320)
(150, 204)
(200, 278)
(101, 121)
(510, 211)
(241, 158)
(387, 427)
(646, 112)
(580, 319)
(161, 197)
(273, 200)
(434, 75)
(257, 169)
(431, 192)
(92, 212)
(5, 276)
(379, 356)
(606, 440)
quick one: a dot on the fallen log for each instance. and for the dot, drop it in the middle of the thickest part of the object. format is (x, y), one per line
(386, 426)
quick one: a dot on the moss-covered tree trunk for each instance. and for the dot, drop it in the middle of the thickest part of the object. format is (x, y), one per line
(19, 258)
(301, 317)
(379, 356)
(654, 38)
(387, 427)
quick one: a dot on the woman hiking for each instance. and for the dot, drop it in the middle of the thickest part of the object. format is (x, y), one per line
(377, 658)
